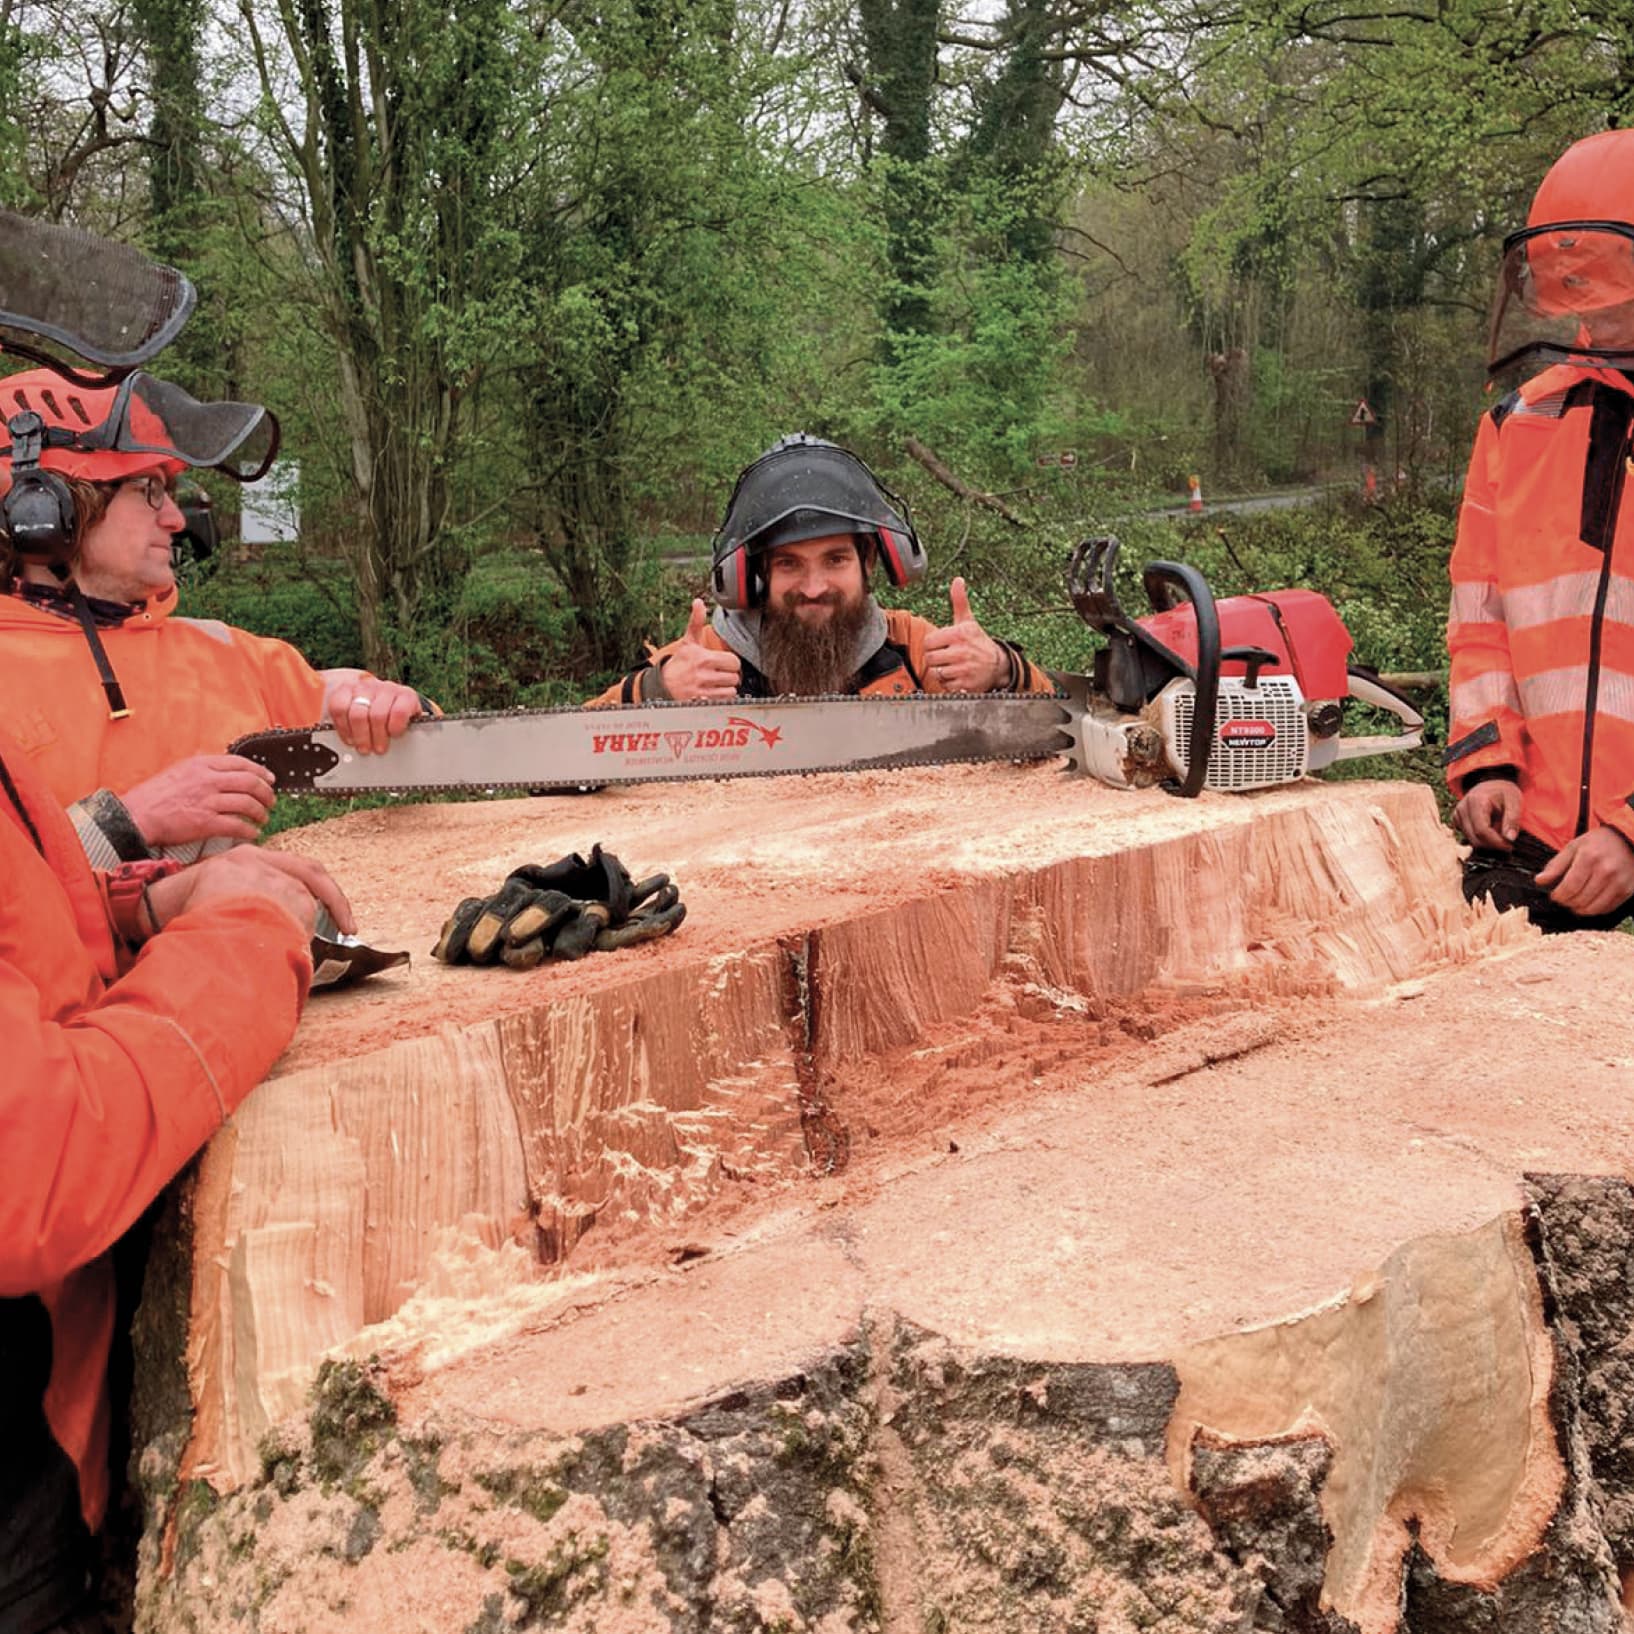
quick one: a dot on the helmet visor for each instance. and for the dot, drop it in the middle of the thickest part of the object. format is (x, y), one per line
(155, 417)
(1566, 293)
(101, 302)
(810, 487)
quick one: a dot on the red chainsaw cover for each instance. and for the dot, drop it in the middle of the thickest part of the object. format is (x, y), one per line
(1299, 626)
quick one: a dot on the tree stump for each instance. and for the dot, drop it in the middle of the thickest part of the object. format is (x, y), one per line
(1006, 1204)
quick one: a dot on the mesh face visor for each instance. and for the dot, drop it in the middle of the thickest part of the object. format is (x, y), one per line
(802, 492)
(151, 416)
(1566, 293)
(101, 302)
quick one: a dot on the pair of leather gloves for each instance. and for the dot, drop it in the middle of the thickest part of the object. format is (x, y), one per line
(562, 910)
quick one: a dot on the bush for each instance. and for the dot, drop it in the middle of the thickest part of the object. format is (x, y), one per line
(275, 597)
(505, 640)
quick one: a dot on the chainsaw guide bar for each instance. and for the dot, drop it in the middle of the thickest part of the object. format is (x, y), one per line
(669, 741)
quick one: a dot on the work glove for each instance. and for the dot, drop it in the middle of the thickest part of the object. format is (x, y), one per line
(563, 910)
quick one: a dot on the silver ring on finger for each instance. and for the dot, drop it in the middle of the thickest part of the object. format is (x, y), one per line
(359, 698)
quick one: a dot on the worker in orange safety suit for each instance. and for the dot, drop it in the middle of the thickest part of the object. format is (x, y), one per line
(1540, 746)
(125, 707)
(138, 1009)
(805, 526)
(138, 1006)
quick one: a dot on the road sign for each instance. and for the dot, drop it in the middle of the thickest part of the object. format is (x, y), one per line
(1364, 415)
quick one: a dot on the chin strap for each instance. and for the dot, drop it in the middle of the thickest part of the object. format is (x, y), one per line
(118, 710)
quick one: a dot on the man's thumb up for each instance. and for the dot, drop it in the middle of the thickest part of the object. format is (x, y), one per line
(961, 603)
(697, 623)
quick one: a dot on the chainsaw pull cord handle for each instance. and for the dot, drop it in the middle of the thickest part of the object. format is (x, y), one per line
(1366, 687)
(1160, 578)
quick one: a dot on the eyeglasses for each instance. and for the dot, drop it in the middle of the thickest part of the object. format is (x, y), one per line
(154, 488)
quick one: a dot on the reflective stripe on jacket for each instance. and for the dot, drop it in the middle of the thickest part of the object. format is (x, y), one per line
(898, 667)
(1541, 626)
(192, 687)
(111, 1082)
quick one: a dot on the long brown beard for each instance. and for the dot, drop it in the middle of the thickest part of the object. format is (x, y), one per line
(801, 660)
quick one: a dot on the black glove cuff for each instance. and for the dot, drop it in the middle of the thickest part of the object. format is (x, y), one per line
(1488, 774)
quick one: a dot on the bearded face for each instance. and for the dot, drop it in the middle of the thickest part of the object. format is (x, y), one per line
(816, 607)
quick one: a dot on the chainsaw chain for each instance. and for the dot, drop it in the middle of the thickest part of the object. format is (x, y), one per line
(334, 791)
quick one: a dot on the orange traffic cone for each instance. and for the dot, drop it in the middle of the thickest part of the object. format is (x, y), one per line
(1196, 500)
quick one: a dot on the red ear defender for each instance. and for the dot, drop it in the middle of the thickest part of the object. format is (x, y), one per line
(737, 581)
(904, 556)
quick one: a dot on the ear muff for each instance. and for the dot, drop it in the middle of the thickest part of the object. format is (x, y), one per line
(38, 507)
(39, 516)
(903, 556)
(738, 581)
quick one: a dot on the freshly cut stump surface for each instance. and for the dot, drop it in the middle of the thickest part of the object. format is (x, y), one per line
(1006, 1204)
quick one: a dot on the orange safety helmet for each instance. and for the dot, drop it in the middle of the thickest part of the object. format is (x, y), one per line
(104, 433)
(1593, 180)
(82, 411)
(57, 429)
(1567, 286)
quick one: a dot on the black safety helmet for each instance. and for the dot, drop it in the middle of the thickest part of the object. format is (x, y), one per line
(805, 488)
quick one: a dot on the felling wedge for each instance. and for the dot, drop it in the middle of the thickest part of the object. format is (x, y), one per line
(1243, 694)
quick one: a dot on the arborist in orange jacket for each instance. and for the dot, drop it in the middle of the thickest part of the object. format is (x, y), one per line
(138, 1009)
(138, 1006)
(805, 526)
(126, 708)
(1541, 632)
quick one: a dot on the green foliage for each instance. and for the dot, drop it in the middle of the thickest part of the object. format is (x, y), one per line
(976, 382)
(19, 60)
(1384, 567)
(315, 614)
(508, 640)
(528, 287)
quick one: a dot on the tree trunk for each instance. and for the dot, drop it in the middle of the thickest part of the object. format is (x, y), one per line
(901, 42)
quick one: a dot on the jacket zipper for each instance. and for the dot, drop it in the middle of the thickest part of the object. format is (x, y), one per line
(1597, 629)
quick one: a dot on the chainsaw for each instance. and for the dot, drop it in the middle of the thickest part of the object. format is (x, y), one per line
(1241, 694)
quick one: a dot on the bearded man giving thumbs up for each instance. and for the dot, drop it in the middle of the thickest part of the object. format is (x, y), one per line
(806, 525)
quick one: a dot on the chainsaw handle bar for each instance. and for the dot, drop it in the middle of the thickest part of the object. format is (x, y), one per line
(1089, 584)
(1160, 578)
(1367, 688)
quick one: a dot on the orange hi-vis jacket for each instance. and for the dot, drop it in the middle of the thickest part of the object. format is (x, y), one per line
(1541, 630)
(898, 667)
(192, 686)
(110, 1083)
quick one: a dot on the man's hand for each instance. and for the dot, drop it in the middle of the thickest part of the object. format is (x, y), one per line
(202, 798)
(1591, 874)
(696, 671)
(1489, 816)
(367, 714)
(964, 657)
(296, 884)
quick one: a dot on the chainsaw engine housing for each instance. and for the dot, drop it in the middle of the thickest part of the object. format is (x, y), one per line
(1261, 735)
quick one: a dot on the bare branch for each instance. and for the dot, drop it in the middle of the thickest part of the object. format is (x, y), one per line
(916, 450)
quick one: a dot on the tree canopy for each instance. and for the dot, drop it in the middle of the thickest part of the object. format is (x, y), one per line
(528, 280)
